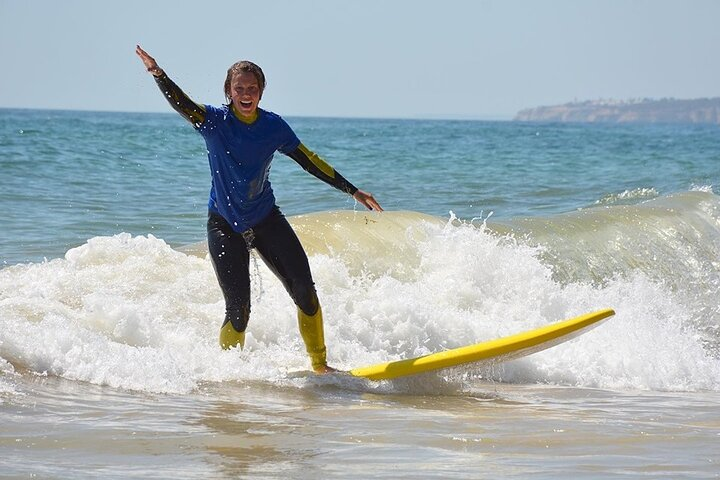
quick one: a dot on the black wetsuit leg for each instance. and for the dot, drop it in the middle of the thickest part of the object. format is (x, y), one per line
(282, 252)
(279, 248)
(230, 258)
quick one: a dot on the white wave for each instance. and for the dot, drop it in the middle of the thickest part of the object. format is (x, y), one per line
(701, 188)
(130, 312)
(7, 380)
(628, 196)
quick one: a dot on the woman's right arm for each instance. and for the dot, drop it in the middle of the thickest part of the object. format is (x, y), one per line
(178, 100)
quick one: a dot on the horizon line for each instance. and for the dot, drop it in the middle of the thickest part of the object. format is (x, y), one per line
(455, 117)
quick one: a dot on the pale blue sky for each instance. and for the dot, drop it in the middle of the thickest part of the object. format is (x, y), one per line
(371, 58)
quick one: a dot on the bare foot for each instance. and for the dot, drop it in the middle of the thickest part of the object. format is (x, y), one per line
(325, 369)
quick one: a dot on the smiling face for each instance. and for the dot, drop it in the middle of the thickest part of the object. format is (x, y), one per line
(244, 86)
(245, 93)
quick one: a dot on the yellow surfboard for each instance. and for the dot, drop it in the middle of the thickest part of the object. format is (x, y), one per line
(500, 350)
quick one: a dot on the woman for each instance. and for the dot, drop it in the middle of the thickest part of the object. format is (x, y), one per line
(241, 139)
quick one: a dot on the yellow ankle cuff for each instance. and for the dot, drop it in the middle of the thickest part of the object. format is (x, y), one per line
(229, 337)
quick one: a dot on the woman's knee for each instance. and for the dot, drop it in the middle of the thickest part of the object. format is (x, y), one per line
(305, 298)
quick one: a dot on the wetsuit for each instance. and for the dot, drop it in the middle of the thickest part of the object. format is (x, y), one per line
(243, 214)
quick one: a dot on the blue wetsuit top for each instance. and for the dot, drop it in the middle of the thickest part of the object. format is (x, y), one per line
(240, 155)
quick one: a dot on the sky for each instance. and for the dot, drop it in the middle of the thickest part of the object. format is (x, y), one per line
(372, 58)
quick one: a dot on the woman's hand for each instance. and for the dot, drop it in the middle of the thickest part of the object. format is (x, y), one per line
(150, 63)
(368, 200)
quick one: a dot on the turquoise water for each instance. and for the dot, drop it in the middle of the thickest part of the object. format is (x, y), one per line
(109, 308)
(69, 176)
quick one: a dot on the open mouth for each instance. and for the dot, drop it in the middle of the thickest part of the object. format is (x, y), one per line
(245, 104)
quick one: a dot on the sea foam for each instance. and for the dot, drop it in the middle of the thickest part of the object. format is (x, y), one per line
(133, 313)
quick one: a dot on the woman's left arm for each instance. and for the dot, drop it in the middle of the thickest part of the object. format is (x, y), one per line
(313, 164)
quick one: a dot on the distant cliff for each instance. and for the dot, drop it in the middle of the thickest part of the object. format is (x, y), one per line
(667, 110)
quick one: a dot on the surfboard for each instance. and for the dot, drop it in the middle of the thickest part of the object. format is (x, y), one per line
(493, 351)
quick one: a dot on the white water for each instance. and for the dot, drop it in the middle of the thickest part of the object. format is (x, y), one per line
(132, 313)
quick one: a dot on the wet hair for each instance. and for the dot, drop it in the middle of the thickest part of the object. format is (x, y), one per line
(244, 66)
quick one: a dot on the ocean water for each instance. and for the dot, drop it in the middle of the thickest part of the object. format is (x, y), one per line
(109, 308)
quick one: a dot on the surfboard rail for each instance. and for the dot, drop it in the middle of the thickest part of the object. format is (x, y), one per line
(501, 349)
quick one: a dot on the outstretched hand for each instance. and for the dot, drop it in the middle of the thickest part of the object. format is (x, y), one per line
(149, 62)
(368, 200)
